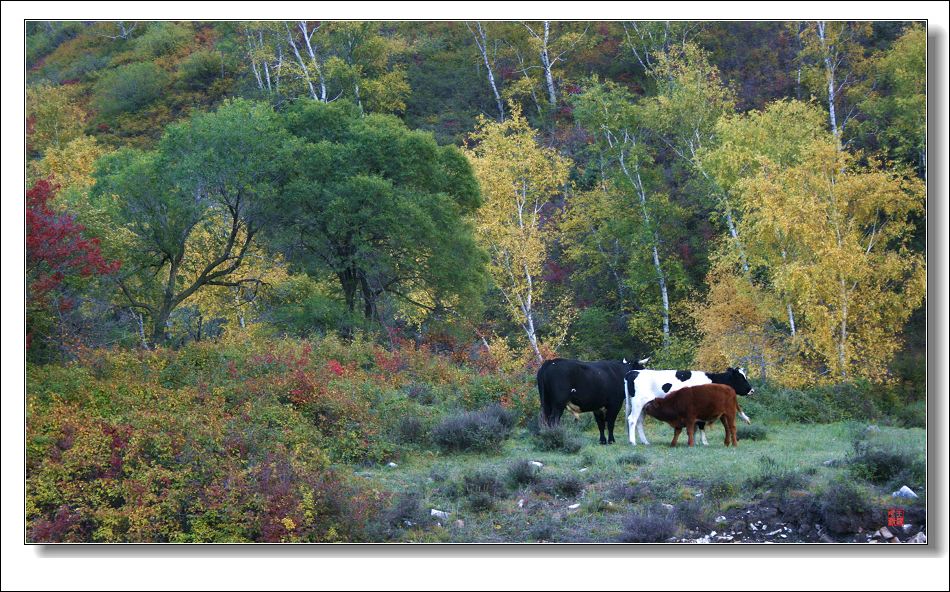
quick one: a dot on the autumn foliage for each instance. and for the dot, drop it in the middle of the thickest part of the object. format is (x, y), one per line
(56, 249)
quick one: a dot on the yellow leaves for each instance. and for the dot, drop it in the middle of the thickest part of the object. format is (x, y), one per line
(53, 117)
(518, 177)
(70, 164)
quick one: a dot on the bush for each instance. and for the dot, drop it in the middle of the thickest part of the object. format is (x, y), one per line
(404, 513)
(161, 38)
(632, 458)
(474, 431)
(521, 472)
(647, 528)
(200, 69)
(751, 432)
(410, 430)
(562, 485)
(776, 478)
(632, 492)
(558, 439)
(692, 514)
(886, 465)
(129, 88)
(843, 508)
(481, 488)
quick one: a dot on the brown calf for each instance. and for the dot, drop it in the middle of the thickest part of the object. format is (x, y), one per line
(705, 402)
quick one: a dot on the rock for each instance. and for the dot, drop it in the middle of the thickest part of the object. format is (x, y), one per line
(905, 492)
(720, 519)
(894, 540)
(703, 540)
(583, 470)
(829, 462)
(521, 503)
(884, 533)
(460, 523)
(712, 534)
(774, 532)
(872, 428)
(439, 514)
(392, 465)
(919, 538)
(573, 506)
(668, 506)
(536, 463)
(907, 528)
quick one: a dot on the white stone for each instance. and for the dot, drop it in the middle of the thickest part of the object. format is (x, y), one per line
(392, 465)
(439, 514)
(905, 492)
(583, 470)
(536, 463)
(720, 519)
(573, 506)
(521, 503)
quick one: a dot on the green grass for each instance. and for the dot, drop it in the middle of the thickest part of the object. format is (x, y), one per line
(715, 472)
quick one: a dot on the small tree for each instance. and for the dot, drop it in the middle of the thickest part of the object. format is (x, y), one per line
(57, 254)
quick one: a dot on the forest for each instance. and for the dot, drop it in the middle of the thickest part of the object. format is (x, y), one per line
(292, 280)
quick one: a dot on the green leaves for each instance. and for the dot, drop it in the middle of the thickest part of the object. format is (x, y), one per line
(382, 208)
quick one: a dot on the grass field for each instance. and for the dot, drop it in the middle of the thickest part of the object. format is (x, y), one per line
(619, 481)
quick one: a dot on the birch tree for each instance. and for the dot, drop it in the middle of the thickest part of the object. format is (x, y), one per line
(518, 177)
(482, 42)
(849, 269)
(609, 114)
(552, 42)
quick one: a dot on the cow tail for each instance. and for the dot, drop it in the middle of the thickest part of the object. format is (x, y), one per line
(543, 419)
(626, 399)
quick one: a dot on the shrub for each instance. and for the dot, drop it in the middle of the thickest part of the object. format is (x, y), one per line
(632, 458)
(558, 439)
(692, 514)
(751, 432)
(161, 38)
(886, 465)
(200, 69)
(775, 478)
(844, 508)
(473, 431)
(647, 528)
(632, 492)
(562, 485)
(721, 489)
(481, 488)
(521, 472)
(410, 430)
(129, 88)
(404, 513)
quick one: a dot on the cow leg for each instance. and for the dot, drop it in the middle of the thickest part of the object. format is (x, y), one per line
(702, 432)
(635, 422)
(641, 432)
(676, 435)
(690, 430)
(612, 414)
(725, 426)
(732, 430)
(601, 424)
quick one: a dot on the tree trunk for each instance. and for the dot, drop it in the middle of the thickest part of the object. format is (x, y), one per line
(546, 62)
(843, 335)
(481, 41)
(830, 76)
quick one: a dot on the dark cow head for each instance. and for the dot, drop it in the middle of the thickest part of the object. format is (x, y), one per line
(736, 378)
(634, 364)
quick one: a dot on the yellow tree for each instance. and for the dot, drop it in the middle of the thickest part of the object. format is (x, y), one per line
(517, 177)
(846, 263)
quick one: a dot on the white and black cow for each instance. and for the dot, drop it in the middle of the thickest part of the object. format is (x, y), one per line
(580, 387)
(642, 386)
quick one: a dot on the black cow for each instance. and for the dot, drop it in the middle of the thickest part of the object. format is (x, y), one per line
(581, 387)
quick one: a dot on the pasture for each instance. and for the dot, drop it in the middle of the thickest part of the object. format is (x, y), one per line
(327, 440)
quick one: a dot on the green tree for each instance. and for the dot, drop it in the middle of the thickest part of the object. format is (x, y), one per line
(213, 178)
(384, 209)
(896, 105)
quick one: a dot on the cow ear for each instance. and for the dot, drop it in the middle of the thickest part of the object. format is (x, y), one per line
(644, 360)
(625, 360)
